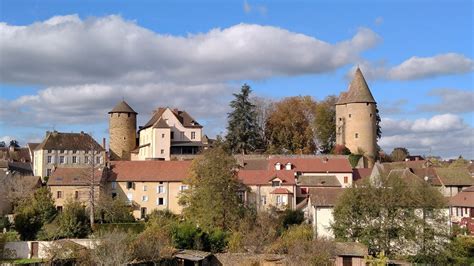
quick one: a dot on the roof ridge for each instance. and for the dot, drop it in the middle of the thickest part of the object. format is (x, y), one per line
(358, 91)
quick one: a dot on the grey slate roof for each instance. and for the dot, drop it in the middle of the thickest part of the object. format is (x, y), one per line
(122, 107)
(358, 92)
(319, 181)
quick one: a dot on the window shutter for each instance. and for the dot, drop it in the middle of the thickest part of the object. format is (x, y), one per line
(164, 201)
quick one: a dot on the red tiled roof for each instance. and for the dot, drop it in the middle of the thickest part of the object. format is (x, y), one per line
(281, 190)
(315, 165)
(264, 177)
(75, 176)
(360, 173)
(464, 198)
(149, 171)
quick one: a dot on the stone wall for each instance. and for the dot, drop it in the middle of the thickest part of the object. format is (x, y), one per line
(122, 133)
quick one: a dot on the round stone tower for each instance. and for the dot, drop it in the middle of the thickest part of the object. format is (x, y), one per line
(356, 122)
(122, 131)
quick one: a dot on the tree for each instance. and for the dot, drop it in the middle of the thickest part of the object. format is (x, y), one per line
(2, 144)
(460, 162)
(111, 210)
(377, 124)
(33, 212)
(73, 221)
(212, 200)
(325, 124)
(392, 215)
(14, 143)
(243, 134)
(113, 249)
(289, 127)
(263, 108)
(399, 154)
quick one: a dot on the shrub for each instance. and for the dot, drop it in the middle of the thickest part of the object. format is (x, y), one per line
(354, 159)
(291, 217)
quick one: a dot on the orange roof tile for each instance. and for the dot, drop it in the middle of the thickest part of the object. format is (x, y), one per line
(149, 171)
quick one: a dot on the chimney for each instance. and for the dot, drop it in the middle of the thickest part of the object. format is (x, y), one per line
(103, 143)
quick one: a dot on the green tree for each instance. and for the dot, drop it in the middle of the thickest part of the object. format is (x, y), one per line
(73, 221)
(212, 200)
(289, 127)
(460, 162)
(33, 212)
(399, 154)
(111, 210)
(243, 133)
(325, 124)
(392, 214)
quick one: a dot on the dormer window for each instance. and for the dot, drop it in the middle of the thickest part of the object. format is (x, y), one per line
(288, 166)
(278, 166)
(276, 183)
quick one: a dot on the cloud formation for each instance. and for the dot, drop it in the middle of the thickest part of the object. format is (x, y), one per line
(67, 50)
(418, 67)
(451, 100)
(445, 134)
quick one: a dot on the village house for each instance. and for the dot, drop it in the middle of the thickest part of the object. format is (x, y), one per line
(148, 185)
(60, 149)
(462, 205)
(169, 132)
(76, 183)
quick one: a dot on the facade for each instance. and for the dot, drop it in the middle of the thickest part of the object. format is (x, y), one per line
(122, 131)
(284, 181)
(66, 150)
(356, 122)
(75, 184)
(462, 205)
(320, 207)
(148, 185)
(169, 133)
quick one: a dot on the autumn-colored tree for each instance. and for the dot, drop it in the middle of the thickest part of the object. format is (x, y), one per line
(212, 200)
(399, 154)
(289, 127)
(325, 124)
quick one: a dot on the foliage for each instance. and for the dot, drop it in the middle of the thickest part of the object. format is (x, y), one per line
(263, 108)
(399, 154)
(152, 245)
(291, 217)
(340, 149)
(131, 228)
(354, 159)
(4, 223)
(63, 250)
(289, 127)
(243, 133)
(113, 249)
(391, 215)
(186, 235)
(73, 222)
(212, 200)
(2, 144)
(460, 162)
(379, 260)
(377, 123)
(33, 212)
(14, 143)
(460, 251)
(325, 124)
(111, 210)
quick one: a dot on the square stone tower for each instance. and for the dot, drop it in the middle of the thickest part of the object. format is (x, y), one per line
(356, 122)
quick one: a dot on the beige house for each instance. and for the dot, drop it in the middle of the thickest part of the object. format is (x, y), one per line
(170, 132)
(148, 185)
(66, 150)
(76, 184)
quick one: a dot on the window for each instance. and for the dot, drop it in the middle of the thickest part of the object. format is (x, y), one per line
(97, 160)
(50, 151)
(160, 201)
(278, 166)
(356, 135)
(263, 200)
(144, 198)
(160, 189)
(74, 159)
(114, 185)
(59, 208)
(288, 166)
(74, 151)
(350, 115)
(193, 135)
(183, 187)
(61, 159)
(275, 183)
(86, 159)
(172, 135)
(241, 195)
(59, 194)
(346, 180)
(142, 211)
(76, 194)
(48, 172)
(130, 185)
(145, 188)
(340, 118)
(181, 134)
(465, 211)
(50, 159)
(162, 136)
(370, 115)
(114, 195)
(278, 200)
(162, 151)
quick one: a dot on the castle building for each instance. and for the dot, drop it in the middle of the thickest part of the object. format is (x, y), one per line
(122, 131)
(356, 119)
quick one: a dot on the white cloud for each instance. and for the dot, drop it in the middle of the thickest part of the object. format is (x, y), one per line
(446, 135)
(418, 67)
(451, 100)
(66, 50)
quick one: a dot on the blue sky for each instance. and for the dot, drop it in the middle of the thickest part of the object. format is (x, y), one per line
(69, 62)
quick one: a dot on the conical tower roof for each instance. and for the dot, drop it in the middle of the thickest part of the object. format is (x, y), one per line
(122, 107)
(358, 92)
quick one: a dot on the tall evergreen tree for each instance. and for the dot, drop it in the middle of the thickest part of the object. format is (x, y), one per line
(242, 130)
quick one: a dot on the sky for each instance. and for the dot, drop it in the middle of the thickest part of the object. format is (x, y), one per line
(65, 64)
